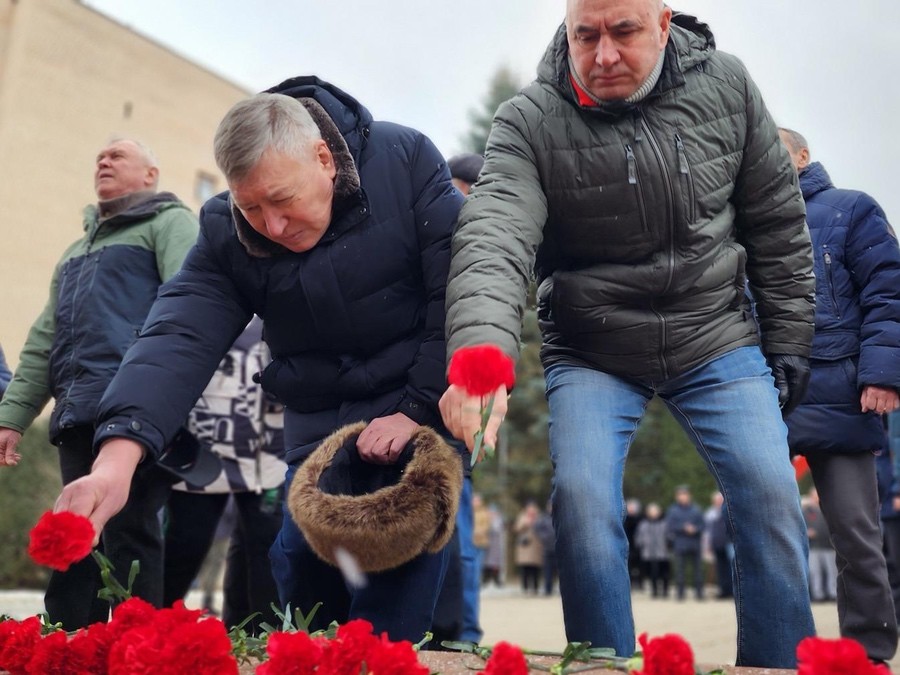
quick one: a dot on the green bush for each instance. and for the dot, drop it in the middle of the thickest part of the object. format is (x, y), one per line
(26, 491)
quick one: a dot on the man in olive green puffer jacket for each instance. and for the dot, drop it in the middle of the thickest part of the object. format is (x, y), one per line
(643, 180)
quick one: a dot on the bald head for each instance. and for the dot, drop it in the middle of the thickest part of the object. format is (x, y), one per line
(796, 146)
(652, 5)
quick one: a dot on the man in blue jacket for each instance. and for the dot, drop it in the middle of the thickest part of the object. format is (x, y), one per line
(336, 231)
(684, 527)
(855, 376)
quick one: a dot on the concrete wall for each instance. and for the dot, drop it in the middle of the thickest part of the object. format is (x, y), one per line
(70, 78)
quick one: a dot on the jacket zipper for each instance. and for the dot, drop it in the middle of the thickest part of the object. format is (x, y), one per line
(830, 277)
(633, 180)
(670, 211)
(79, 281)
(684, 168)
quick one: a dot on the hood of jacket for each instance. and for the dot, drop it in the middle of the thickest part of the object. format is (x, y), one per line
(814, 179)
(344, 125)
(690, 43)
(139, 212)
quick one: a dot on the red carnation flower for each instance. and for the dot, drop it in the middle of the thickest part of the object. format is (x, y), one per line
(18, 640)
(133, 612)
(481, 370)
(88, 649)
(293, 653)
(51, 657)
(506, 659)
(350, 648)
(843, 656)
(394, 658)
(168, 643)
(60, 539)
(666, 655)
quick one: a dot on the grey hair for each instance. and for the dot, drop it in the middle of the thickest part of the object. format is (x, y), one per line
(146, 153)
(794, 139)
(259, 123)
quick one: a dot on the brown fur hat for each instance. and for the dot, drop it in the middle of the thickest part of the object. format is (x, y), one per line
(383, 516)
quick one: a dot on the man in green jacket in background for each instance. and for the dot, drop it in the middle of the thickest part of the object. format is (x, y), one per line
(134, 239)
(643, 182)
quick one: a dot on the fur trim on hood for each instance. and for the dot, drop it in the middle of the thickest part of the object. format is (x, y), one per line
(391, 525)
(346, 183)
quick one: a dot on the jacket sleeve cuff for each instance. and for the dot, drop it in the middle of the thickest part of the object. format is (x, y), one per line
(419, 412)
(134, 430)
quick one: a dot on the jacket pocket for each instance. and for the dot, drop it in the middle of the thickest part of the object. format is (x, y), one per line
(634, 179)
(741, 293)
(829, 262)
(686, 180)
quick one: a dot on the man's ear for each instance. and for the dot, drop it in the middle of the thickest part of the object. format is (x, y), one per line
(325, 158)
(665, 18)
(152, 177)
(802, 159)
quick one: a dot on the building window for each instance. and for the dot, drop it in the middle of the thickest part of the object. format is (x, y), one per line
(204, 186)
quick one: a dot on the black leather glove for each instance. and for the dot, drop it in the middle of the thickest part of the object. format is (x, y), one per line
(791, 374)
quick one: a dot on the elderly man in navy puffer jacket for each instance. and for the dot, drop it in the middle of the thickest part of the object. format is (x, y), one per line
(336, 232)
(855, 380)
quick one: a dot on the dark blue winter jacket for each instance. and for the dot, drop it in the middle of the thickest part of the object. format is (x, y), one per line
(857, 336)
(678, 518)
(355, 325)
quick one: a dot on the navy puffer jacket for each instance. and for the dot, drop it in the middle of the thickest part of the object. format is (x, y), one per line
(355, 325)
(857, 336)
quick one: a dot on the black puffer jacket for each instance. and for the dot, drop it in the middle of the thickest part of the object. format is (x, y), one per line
(355, 325)
(646, 219)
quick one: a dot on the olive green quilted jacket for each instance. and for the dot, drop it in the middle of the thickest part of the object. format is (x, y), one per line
(644, 223)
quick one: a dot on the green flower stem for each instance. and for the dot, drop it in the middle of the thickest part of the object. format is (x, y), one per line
(112, 590)
(479, 435)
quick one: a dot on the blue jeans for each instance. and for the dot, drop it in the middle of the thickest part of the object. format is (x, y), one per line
(729, 408)
(470, 557)
(399, 601)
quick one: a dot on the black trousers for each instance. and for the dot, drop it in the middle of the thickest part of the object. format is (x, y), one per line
(134, 533)
(658, 573)
(190, 526)
(848, 497)
(682, 560)
(723, 573)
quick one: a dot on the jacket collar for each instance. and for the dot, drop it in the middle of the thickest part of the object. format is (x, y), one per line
(145, 205)
(814, 179)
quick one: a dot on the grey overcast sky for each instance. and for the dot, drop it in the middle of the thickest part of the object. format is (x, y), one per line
(827, 68)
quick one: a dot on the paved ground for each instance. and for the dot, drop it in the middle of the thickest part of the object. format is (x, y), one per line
(709, 626)
(536, 622)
